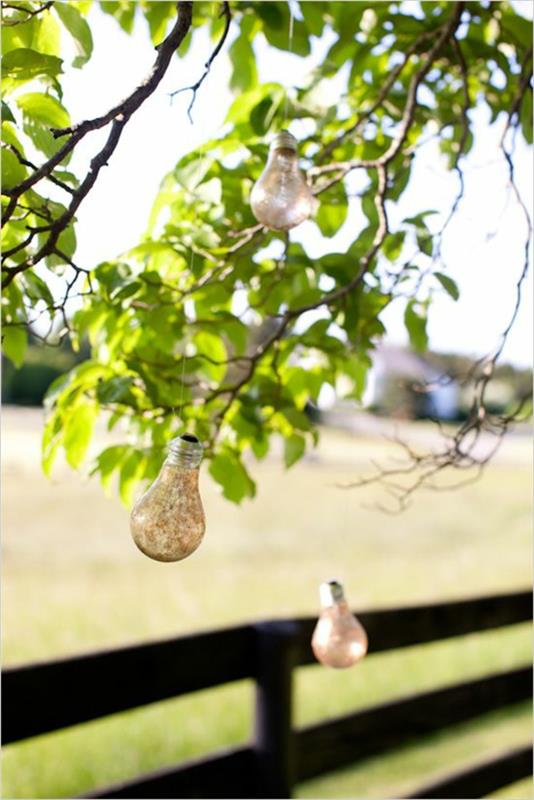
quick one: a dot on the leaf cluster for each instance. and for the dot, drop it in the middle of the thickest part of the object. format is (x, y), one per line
(213, 324)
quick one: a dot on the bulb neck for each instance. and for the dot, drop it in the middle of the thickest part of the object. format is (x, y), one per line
(284, 141)
(185, 451)
(331, 594)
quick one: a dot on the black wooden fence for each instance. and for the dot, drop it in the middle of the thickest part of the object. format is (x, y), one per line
(44, 697)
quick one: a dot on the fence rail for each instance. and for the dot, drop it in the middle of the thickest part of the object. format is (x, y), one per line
(39, 698)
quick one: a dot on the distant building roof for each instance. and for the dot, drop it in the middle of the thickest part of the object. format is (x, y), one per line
(396, 360)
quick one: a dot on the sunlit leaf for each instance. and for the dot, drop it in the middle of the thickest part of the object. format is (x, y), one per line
(79, 29)
(14, 343)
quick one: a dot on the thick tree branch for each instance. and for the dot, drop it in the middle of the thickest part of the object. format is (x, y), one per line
(118, 117)
(125, 109)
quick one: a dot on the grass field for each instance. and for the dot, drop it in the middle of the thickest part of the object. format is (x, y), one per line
(74, 581)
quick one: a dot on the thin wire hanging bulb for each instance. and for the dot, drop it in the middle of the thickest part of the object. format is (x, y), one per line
(281, 199)
(168, 523)
(339, 640)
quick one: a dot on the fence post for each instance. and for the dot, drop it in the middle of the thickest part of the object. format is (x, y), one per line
(274, 741)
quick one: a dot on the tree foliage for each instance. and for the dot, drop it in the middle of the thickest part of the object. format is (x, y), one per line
(212, 323)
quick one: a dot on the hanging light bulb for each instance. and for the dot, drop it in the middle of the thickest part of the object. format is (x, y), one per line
(281, 198)
(339, 640)
(168, 523)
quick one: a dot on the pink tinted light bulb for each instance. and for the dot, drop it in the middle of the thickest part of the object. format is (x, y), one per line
(281, 198)
(339, 640)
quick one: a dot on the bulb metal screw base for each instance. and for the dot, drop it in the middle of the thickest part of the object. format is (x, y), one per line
(284, 141)
(330, 593)
(185, 451)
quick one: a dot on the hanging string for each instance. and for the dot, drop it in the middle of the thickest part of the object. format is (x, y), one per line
(184, 357)
(290, 49)
(201, 155)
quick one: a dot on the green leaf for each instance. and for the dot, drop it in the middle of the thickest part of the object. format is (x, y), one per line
(14, 343)
(9, 135)
(193, 172)
(212, 348)
(37, 288)
(51, 441)
(117, 389)
(41, 136)
(276, 28)
(313, 14)
(425, 242)
(518, 26)
(124, 12)
(13, 172)
(294, 448)
(418, 219)
(131, 471)
(448, 284)
(262, 115)
(44, 108)
(393, 245)
(245, 74)
(236, 332)
(330, 217)
(241, 108)
(229, 472)
(6, 113)
(24, 64)
(79, 29)
(47, 38)
(357, 368)
(78, 432)
(157, 15)
(108, 461)
(66, 177)
(525, 115)
(415, 321)
(66, 243)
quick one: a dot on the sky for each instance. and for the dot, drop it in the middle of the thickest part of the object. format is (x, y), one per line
(484, 244)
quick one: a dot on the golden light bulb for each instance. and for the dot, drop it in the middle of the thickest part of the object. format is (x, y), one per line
(167, 523)
(339, 640)
(281, 198)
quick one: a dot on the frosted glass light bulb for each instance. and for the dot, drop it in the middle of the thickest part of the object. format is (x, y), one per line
(339, 640)
(168, 523)
(281, 198)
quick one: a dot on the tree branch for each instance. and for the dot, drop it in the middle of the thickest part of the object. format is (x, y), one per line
(118, 116)
(380, 165)
(388, 83)
(125, 109)
(207, 66)
(28, 11)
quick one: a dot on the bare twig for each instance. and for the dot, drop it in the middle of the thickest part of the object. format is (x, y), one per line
(9, 22)
(459, 450)
(207, 66)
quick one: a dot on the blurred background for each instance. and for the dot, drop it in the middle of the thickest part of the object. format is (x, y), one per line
(73, 580)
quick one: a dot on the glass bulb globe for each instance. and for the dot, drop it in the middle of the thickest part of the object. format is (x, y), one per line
(339, 640)
(167, 523)
(281, 198)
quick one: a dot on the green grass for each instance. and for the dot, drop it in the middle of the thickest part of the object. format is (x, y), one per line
(416, 763)
(73, 581)
(522, 788)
